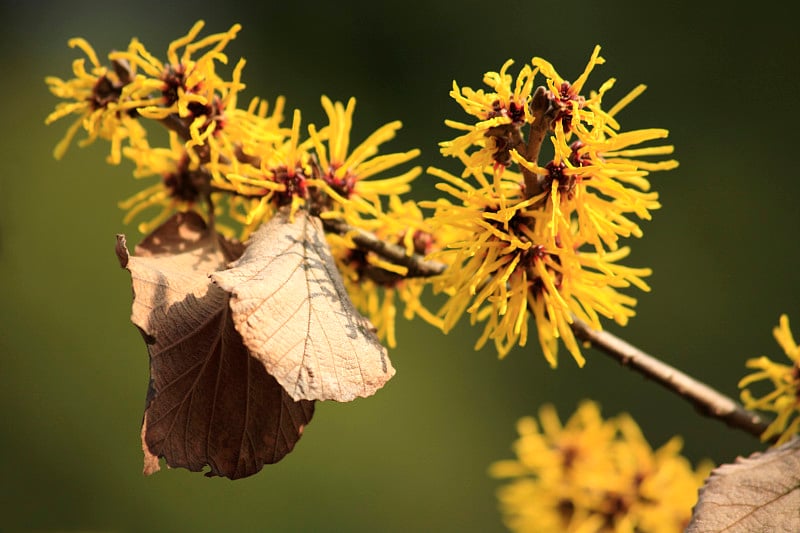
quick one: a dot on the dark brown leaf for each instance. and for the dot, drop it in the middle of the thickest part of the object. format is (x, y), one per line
(209, 402)
(291, 307)
(759, 493)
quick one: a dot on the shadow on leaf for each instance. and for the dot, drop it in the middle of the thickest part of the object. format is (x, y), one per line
(209, 401)
(291, 306)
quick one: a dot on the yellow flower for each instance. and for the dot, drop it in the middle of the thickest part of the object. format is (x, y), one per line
(243, 152)
(592, 181)
(598, 178)
(500, 113)
(570, 107)
(272, 166)
(186, 95)
(593, 475)
(784, 400)
(101, 98)
(182, 185)
(186, 91)
(529, 228)
(345, 175)
(506, 267)
(376, 286)
(254, 133)
(276, 176)
(188, 86)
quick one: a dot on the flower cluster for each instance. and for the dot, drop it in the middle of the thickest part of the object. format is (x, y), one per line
(241, 164)
(543, 239)
(595, 475)
(784, 399)
(376, 285)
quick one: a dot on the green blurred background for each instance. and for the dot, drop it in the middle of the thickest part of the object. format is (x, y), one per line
(723, 77)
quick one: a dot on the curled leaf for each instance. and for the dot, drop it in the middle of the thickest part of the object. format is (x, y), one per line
(292, 309)
(759, 493)
(209, 401)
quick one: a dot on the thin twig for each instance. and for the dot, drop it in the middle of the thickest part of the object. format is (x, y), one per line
(706, 400)
(417, 266)
(538, 131)
(175, 123)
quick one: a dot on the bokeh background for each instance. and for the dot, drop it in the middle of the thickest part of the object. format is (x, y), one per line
(723, 77)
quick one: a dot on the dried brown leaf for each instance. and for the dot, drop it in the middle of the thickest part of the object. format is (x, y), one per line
(209, 401)
(759, 493)
(292, 309)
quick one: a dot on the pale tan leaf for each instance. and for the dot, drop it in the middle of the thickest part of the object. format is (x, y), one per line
(209, 401)
(291, 307)
(758, 494)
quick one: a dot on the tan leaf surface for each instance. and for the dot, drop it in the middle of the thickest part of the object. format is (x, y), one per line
(209, 402)
(292, 309)
(759, 493)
